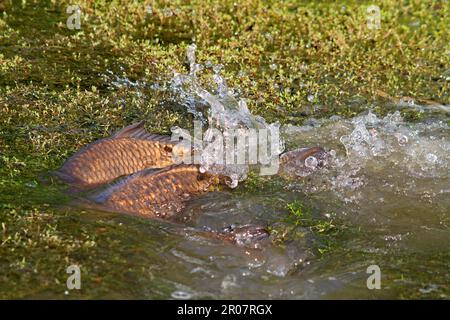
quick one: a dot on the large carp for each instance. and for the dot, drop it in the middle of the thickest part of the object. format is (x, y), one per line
(128, 151)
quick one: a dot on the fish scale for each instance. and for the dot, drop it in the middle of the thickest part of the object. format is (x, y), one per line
(156, 194)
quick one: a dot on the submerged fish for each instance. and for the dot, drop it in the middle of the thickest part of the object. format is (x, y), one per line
(128, 151)
(243, 236)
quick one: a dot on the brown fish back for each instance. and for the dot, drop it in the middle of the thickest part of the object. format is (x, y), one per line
(156, 193)
(128, 151)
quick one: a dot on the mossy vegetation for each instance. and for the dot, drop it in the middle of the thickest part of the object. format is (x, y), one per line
(300, 222)
(290, 59)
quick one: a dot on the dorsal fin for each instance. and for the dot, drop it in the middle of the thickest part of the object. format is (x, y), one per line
(137, 131)
(129, 130)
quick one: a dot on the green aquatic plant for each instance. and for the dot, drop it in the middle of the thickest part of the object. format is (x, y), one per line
(324, 234)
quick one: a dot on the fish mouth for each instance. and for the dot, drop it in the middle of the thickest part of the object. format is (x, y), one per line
(302, 162)
(246, 235)
(300, 155)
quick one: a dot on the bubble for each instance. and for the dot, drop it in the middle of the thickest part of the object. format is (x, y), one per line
(208, 64)
(432, 158)
(273, 66)
(311, 162)
(310, 97)
(402, 140)
(181, 295)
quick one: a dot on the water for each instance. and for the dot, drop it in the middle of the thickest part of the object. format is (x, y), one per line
(223, 112)
(384, 186)
(385, 177)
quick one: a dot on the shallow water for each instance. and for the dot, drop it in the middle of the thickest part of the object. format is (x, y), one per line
(380, 182)
(385, 186)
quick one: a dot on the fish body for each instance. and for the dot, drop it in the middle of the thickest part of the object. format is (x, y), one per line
(128, 151)
(157, 193)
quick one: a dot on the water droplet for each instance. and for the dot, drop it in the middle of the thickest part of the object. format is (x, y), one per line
(167, 12)
(268, 36)
(273, 66)
(217, 68)
(31, 184)
(190, 53)
(310, 97)
(234, 181)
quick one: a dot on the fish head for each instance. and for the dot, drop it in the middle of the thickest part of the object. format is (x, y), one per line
(303, 161)
(213, 179)
(246, 236)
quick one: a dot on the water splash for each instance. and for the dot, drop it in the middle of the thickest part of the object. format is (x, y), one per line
(378, 161)
(223, 112)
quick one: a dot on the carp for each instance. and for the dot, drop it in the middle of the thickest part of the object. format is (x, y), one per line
(128, 151)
